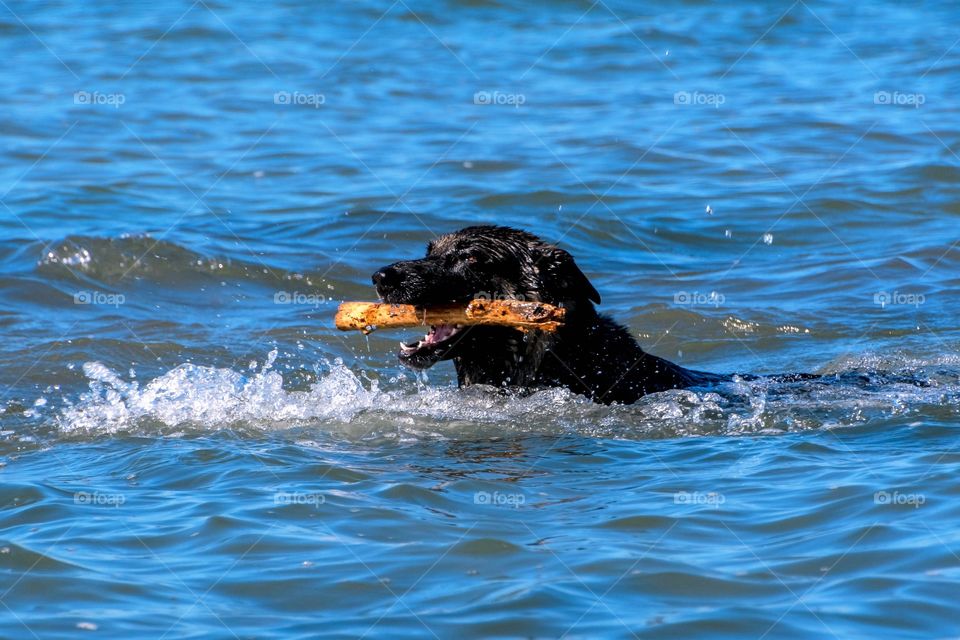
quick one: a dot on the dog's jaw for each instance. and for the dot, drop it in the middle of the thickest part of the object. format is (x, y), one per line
(436, 345)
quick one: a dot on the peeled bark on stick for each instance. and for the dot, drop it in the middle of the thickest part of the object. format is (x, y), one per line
(520, 314)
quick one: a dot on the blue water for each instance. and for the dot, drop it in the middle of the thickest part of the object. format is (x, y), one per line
(188, 449)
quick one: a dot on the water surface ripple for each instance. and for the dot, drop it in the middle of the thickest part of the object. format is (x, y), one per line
(189, 450)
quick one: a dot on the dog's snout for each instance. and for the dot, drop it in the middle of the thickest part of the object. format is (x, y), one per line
(386, 277)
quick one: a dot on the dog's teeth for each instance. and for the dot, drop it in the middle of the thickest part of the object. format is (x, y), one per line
(409, 348)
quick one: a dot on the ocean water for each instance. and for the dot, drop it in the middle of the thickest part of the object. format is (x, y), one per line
(188, 449)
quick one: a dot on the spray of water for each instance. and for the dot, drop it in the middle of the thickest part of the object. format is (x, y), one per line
(208, 398)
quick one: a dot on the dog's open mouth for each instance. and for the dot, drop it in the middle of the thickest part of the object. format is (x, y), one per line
(422, 353)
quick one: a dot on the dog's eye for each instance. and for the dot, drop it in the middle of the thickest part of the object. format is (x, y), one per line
(468, 258)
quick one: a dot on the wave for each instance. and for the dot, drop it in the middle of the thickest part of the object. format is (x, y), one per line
(112, 260)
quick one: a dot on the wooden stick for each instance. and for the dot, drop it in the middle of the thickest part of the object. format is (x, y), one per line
(521, 314)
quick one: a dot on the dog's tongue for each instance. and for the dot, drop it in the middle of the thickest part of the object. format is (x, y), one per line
(439, 333)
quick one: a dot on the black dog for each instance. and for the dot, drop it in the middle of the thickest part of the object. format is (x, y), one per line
(590, 354)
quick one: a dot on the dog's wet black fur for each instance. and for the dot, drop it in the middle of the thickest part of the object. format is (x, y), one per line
(590, 354)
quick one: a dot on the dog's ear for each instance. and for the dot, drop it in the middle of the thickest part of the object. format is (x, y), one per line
(561, 278)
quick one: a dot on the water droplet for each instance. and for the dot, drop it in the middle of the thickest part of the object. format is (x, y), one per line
(768, 238)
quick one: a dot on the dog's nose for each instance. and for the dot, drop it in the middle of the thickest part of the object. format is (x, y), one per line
(386, 277)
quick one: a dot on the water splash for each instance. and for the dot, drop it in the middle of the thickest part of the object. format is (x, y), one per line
(200, 398)
(207, 398)
(210, 397)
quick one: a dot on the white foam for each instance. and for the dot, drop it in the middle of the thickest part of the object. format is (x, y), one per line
(213, 397)
(208, 398)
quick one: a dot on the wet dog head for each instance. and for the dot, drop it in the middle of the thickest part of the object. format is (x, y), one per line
(480, 262)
